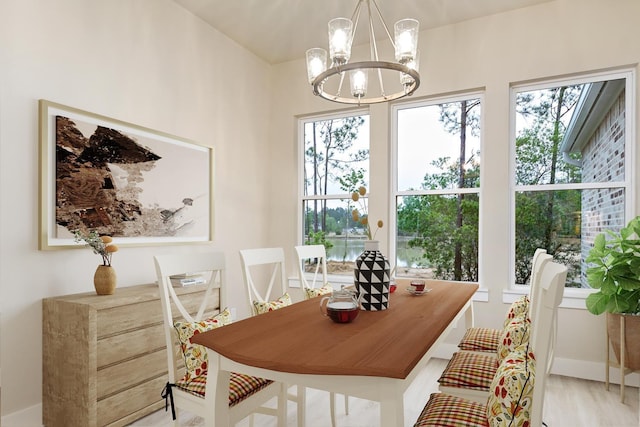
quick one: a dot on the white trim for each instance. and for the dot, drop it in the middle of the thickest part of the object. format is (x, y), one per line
(574, 300)
(479, 94)
(481, 295)
(300, 155)
(27, 417)
(594, 371)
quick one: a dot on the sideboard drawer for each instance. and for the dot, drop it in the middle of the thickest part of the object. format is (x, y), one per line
(116, 348)
(123, 376)
(126, 407)
(128, 317)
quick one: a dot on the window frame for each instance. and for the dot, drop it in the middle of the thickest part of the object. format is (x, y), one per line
(301, 199)
(482, 294)
(573, 297)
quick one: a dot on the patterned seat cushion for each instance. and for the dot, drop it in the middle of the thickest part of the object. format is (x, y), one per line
(513, 336)
(481, 339)
(511, 396)
(519, 307)
(316, 292)
(261, 307)
(469, 370)
(195, 356)
(240, 386)
(444, 410)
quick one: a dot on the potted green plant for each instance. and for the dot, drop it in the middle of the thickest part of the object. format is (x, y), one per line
(615, 271)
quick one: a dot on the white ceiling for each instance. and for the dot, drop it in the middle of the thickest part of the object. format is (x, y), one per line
(282, 30)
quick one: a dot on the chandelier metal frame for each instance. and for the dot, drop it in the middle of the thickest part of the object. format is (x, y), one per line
(338, 69)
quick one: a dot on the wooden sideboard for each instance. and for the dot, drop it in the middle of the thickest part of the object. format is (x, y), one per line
(104, 359)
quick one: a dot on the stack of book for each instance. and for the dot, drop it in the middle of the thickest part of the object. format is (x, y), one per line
(187, 279)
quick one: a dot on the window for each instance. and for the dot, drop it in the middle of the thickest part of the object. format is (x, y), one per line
(437, 188)
(334, 163)
(571, 169)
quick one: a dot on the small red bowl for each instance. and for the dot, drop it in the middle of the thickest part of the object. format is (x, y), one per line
(392, 288)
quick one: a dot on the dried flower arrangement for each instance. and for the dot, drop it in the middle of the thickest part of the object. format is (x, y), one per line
(363, 218)
(101, 245)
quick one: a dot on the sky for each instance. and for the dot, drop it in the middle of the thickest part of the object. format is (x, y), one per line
(421, 140)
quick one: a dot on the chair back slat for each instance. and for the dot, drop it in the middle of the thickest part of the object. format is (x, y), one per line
(540, 258)
(551, 284)
(317, 253)
(270, 258)
(212, 266)
(535, 268)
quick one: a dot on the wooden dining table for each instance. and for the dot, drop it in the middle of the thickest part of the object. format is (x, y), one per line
(375, 357)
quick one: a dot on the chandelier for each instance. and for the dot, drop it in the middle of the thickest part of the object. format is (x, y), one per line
(329, 82)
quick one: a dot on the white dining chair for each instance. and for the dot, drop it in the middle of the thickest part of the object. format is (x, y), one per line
(316, 284)
(485, 340)
(453, 409)
(469, 374)
(186, 312)
(270, 293)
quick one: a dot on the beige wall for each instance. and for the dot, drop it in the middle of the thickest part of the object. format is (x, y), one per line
(558, 38)
(147, 62)
(151, 63)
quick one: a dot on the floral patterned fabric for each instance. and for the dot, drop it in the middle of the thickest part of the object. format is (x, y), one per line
(195, 356)
(509, 403)
(513, 336)
(519, 307)
(316, 292)
(264, 307)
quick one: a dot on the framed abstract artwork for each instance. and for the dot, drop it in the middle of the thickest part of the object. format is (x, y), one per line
(137, 185)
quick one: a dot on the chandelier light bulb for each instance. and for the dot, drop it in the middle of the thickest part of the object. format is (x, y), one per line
(316, 62)
(414, 64)
(358, 80)
(340, 38)
(327, 73)
(406, 39)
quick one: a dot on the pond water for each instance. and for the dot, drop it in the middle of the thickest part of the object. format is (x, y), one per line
(349, 249)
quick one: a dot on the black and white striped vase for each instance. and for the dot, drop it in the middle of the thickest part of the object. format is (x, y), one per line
(372, 277)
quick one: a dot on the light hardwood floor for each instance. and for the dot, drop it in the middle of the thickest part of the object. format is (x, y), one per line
(569, 402)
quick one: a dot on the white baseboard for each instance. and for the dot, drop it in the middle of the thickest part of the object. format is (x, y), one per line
(28, 417)
(593, 371)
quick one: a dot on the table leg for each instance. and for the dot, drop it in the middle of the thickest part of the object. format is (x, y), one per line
(468, 316)
(216, 393)
(282, 405)
(392, 411)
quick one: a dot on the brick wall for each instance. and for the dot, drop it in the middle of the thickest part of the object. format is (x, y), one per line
(603, 161)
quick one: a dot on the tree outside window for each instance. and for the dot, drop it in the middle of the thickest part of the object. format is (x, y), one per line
(569, 172)
(336, 162)
(438, 185)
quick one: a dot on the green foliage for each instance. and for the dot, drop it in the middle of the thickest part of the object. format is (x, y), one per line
(615, 271)
(330, 153)
(546, 219)
(319, 238)
(432, 220)
(445, 226)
